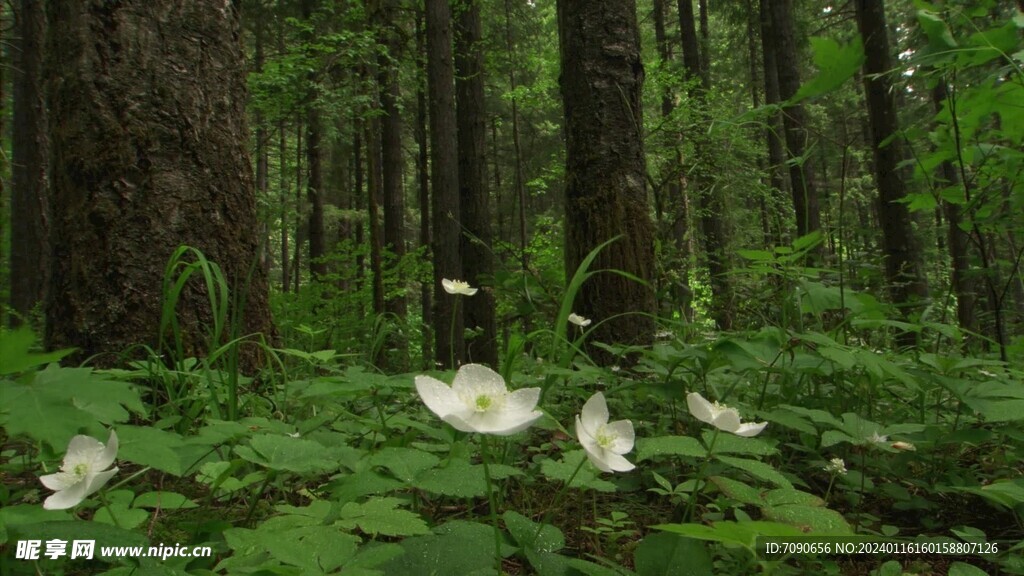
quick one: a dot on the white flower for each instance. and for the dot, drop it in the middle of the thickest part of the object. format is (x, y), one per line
(605, 442)
(579, 320)
(721, 417)
(876, 438)
(478, 401)
(835, 466)
(457, 287)
(905, 446)
(82, 473)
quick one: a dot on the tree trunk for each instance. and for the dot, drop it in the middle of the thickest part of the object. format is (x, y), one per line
(606, 195)
(794, 119)
(474, 197)
(391, 153)
(29, 210)
(315, 178)
(423, 192)
(903, 265)
(447, 218)
(131, 182)
(709, 198)
(773, 130)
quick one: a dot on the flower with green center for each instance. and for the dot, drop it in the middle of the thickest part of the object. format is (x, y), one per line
(457, 287)
(720, 416)
(479, 401)
(579, 320)
(82, 473)
(605, 442)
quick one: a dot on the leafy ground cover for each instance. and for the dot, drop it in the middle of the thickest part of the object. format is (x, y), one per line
(555, 466)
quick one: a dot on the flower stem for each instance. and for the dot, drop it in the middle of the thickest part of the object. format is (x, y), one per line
(692, 504)
(106, 504)
(451, 336)
(485, 457)
(558, 497)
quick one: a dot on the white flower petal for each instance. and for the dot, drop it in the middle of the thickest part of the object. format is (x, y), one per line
(96, 481)
(618, 463)
(523, 400)
(83, 448)
(59, 480)
(727, 421)
(476, 379)
(586, 438)
(700, 408)
(750, 429)
(459, 423)
(64, 499)
(597, 458)
(594, 413)
(622, 430)
(437, 396)
(106, 457)
(448, 285)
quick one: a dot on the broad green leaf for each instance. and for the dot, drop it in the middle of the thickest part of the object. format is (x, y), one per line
(757, 469)
(525, 532)
(163, 500)
(382, 516)
(667, 446)
(836, 64)
(16, 355)
(668, 554)
(315, 548)
(159, 449)
(21, 514)
(739, 491)
(736, 533)
(457, 548)
(732, 444)
(810, 519)
(405, 463)
(282, 452)
(362, 483)
(961, 569)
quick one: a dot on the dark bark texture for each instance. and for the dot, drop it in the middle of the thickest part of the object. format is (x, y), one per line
(606, 192)
(148, 152)
(474, 198)
(29, 210)
(903, 265)
(444, 162)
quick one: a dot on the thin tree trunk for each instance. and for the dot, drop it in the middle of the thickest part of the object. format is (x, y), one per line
(448, 326)
(474, 197)
(519, 180)
(391, 154)
(903, 265)
(423, 192)
(315, 180)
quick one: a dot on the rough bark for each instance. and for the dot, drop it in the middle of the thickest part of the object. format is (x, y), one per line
(773, 129)
(423, 190)
(148, 152)
(606, 194)
(903, 266)
(446, 214)
(29, 210)
(794, 119)
(474, 196)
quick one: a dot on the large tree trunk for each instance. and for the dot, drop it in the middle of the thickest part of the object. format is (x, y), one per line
(423, 190)
(148, 152)
(29, 211)
(903, 266)
(794, 119)
(477, 261)
(773, 130)
(447, 218)
(606, 192)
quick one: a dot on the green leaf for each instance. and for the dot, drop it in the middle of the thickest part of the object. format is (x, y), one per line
(757, 469)
(739, 491)
(362, 483)
(282, 452)
(16, 355)
(939, 35)
(405, 463)
(836, 64)
(961, 569)
(382, 516)
(54, 404)
(457, 548)
(159, 449)
(732, 444)
(315, 548)
(810, 519)
(461, 479)
(163, 500)
(736, 533)
(524, 532)
(663, 446)
(668, 554)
